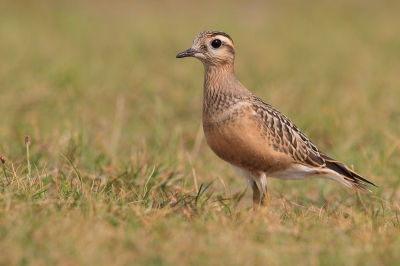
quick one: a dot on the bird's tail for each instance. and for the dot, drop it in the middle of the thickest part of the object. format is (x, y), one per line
(348, 174)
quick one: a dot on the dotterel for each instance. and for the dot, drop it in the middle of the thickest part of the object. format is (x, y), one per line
(251, 135)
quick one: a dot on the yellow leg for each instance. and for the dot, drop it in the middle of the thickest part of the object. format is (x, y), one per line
(260, 199)
(256, 195)
(265, 198)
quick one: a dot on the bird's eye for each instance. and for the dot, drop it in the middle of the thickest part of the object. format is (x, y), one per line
(216, 43)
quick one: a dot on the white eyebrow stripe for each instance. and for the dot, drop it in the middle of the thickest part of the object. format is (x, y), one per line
(224, 39)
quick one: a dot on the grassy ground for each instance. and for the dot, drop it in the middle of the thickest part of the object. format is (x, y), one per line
(118, 172)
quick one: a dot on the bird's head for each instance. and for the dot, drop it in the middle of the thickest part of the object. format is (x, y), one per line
(212, 48)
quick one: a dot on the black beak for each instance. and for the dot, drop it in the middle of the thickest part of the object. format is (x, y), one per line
(187, 53)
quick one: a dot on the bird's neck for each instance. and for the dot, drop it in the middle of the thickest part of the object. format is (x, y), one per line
(221, 80)
(221, 87)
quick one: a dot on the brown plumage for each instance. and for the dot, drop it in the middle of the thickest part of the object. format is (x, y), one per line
(251, 135)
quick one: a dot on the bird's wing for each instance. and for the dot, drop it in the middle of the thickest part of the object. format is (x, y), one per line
(286, 137)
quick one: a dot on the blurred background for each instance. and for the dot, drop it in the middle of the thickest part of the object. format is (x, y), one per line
(99, 81)
(120, 171)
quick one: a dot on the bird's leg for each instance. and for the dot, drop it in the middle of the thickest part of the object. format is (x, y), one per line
(256, 195)
(265, 199)
(260, 198)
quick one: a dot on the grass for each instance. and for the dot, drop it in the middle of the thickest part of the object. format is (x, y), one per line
(117, 170)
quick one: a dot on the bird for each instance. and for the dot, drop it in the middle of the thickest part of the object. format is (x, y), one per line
(252, 135)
